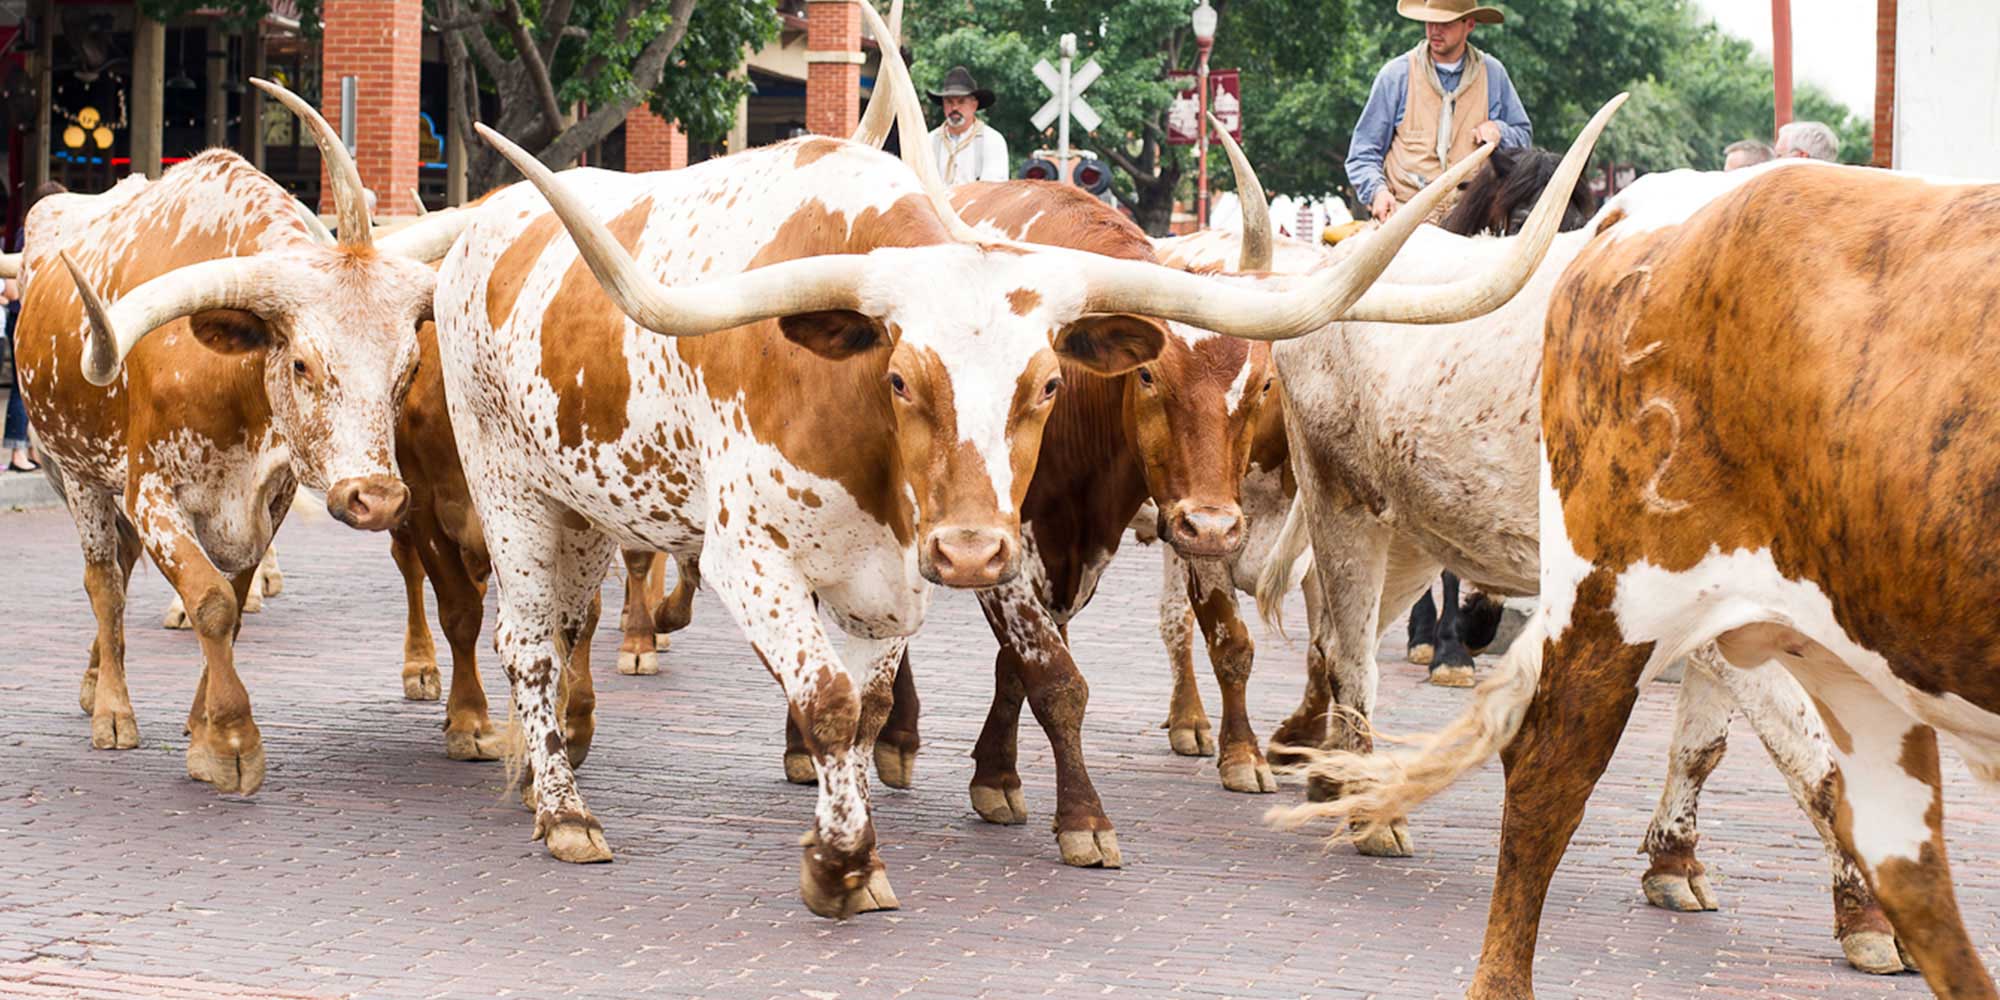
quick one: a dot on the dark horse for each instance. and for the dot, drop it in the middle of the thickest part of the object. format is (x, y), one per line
(1496, 201)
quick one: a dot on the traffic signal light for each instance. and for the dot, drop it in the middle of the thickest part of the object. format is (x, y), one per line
(1038, 169)
(1090, 175)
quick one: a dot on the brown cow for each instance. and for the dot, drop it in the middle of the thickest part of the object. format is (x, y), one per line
(278, 361)
(1819, 510)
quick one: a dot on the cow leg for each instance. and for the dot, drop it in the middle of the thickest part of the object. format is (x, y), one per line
(1452, 664)
(1675, 880)
(546, 579)
(420, 670)
(1791, 731)
(1212, 590)
(270, 579)
(840, 872)
(674, 611)
(1306, 726)
(1187, 720)
(469, 733)
(896, 745)
(996, 785)
(637, 650)
(1423, 631)
(578, 697)
(1588, 685)
(1888, 805)
(1032, 647)
(225, 748)
(108, 555)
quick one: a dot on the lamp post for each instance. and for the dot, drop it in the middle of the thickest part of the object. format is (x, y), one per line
(1203, 21)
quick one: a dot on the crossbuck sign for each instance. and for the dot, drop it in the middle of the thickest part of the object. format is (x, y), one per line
(1067, 102)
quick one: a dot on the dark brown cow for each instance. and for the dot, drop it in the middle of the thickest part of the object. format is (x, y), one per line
(1821, 509)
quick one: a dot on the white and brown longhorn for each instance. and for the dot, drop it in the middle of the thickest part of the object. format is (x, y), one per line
(190, 352)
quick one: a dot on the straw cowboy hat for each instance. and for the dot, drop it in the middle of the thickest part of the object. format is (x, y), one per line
(1438, 11)
(959, 83)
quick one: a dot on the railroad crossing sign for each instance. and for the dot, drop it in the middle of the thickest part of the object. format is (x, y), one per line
(1067, 102)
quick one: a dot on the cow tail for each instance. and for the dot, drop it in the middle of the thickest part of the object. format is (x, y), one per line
(1279, 565)
(1383, 787)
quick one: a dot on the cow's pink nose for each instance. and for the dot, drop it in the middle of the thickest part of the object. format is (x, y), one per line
(1206, 532)
(371, 503)
(971, 557)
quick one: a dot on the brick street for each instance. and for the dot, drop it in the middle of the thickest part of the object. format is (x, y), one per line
(371, 866)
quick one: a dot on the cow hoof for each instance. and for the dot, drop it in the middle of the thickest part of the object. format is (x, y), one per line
(577, 750)
(86, 696)
(1392, 841)
(253, 602)
(176, 616)
(857, 893)
(1249, 776)
(1680, 893)
(1909, 962)
(661, 640)
(1874, 952)
(1089, 848)
(1421, 654)
(242, 773)
(800, 769)
(114, 731)
(477, 744)
(573, 837)
(274, 583)
(1452, 677)
(644, 664)
(1004, 806)
(896, 766)
(421, 682)
(1191, 741)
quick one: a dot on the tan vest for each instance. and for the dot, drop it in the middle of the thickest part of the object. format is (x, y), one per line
(1414, 151)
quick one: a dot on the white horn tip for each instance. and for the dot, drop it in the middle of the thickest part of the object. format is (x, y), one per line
(100, 354)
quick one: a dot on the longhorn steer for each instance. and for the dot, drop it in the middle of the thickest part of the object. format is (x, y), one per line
(1775, 514)
(277, 360)
(869, 421)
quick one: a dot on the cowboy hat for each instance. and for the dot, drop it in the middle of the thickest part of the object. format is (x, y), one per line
(1439, 11)
(959, 83)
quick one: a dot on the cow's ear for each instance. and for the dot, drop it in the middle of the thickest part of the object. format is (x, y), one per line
(1111, 343)
(834, 333)
(231, 331)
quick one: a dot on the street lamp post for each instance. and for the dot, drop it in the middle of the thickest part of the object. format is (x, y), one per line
(1204, 39)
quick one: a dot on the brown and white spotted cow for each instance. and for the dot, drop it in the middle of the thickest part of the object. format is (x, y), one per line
(275, 359)
(1810, 512)
(840, 402)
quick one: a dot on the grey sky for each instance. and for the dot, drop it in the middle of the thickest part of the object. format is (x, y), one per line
(1833, 42)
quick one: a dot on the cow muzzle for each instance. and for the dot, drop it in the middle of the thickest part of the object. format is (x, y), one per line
(970, 557)
(370, 503)
(1206, 531)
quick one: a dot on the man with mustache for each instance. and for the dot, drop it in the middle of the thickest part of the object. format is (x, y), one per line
(965, 148)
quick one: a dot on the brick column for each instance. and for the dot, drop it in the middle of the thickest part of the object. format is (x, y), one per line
(380, 42)
(1885, 83)
(652, 142)
(833, 67)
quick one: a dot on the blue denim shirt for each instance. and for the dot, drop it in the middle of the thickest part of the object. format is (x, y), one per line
(1384, 114)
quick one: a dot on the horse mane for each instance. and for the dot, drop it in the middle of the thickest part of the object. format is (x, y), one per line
(1505, 190)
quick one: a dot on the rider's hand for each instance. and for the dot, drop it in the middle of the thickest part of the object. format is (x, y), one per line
(1383, 205)
(1487, 132)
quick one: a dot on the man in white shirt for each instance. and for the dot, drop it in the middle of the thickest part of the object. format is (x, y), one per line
(965, 148)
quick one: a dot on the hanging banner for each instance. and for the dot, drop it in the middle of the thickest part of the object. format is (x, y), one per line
(1225, 88)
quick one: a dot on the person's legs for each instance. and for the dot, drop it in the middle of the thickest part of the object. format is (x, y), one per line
(15, 438)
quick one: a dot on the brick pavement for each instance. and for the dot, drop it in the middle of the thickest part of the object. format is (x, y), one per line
(370, 866)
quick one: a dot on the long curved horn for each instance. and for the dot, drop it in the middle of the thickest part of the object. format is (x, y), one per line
(881, 112)
(1320, 299)
(830, 281)
(350, 207)
(429, 238)
(314, 226)
(1483, 293)
(224, 283)
(910, 123)
(1256, 252)
(418, 200)
(10, 265)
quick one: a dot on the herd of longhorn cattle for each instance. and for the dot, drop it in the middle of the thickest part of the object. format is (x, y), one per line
(591, 362)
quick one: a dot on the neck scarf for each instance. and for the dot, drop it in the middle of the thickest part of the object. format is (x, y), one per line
(954, 145)
(1474, 66)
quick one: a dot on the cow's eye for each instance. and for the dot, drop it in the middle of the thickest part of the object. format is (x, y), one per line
(299, 368)
(1049, 388)
(1146, 377)
(898, 386)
